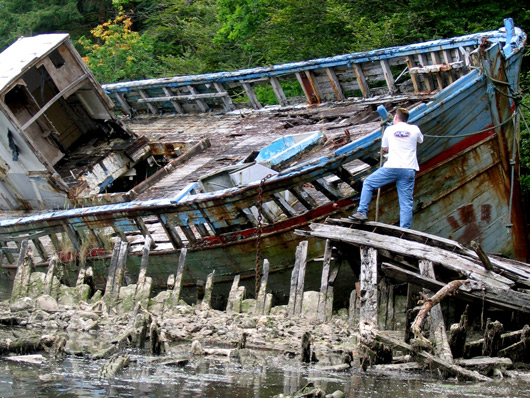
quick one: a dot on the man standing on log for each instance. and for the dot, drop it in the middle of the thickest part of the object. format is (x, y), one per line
(400, 141)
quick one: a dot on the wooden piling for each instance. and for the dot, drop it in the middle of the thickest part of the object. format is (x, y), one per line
(116, 272)
(24, 269)
(177, 287)
(438, 330)
(50, 275)
(325, 302)
(262, 294)
(296, 295)
(206, 303)
(235, 297)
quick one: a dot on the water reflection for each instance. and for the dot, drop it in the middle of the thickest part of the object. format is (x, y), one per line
(146, 377)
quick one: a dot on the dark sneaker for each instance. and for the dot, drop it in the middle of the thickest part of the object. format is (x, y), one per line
(358, 217)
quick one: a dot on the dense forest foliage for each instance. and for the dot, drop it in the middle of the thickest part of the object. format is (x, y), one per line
(134, 39)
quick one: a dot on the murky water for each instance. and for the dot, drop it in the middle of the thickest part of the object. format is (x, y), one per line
(76, 377)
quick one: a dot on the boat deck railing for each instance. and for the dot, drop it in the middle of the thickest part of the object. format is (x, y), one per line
(411, 69)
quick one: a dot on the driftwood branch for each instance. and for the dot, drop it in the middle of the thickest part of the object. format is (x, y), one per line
(428, 303)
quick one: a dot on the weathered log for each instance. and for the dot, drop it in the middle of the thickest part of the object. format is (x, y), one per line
(458, 334)
(307, 355)
(26, 345)
(448, 289)
(429, 359)
(492, 338)
(486, 365)
(114, 365)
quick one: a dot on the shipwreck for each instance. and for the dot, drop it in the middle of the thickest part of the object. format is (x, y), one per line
(198, 164)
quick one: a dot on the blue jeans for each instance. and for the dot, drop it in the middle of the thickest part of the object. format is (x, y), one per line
(404, 179)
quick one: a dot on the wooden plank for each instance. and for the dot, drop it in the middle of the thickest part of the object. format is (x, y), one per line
(73, 236)
(63, 93)
(147, 100)
(40, 249)
(303, 197)
(314, 85)
(445, 258)
(123, 103)
(8, 253)
(325, 188)
(306, 87)
(428, 79)
(416, 83)
(203, 106)
(252, 97)
(361, 80)
(278, 91)
(171, 233)
(227, 101)
(448, 59)
(389, 78)
(435, 58)
(335, 84)
(145, 232)
(279, 199)
(519, 273)
(173, 102)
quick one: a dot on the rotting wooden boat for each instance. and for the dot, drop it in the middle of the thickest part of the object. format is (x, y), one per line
(461, 92)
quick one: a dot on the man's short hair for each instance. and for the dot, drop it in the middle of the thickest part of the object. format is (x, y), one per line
(402, 114)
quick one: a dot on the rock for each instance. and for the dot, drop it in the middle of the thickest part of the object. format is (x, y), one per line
(310, 305)
(196, 348)
(46, 303)
(22, 304)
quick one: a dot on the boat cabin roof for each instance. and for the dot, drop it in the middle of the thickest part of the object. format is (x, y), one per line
(23, 53)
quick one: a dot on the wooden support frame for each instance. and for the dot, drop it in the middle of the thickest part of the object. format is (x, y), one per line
(361, 80)
(389, 78)
(335, 84)
(252, 97)
(278, 91)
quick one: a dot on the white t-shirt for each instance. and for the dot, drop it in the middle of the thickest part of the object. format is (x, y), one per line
(401, 139)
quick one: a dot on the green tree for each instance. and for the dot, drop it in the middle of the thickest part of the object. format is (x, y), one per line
(120, 53)
(31, 17)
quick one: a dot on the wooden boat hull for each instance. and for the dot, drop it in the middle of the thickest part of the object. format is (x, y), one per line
(467, 189)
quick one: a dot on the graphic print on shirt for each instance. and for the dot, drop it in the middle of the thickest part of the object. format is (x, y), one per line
(402, 134)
